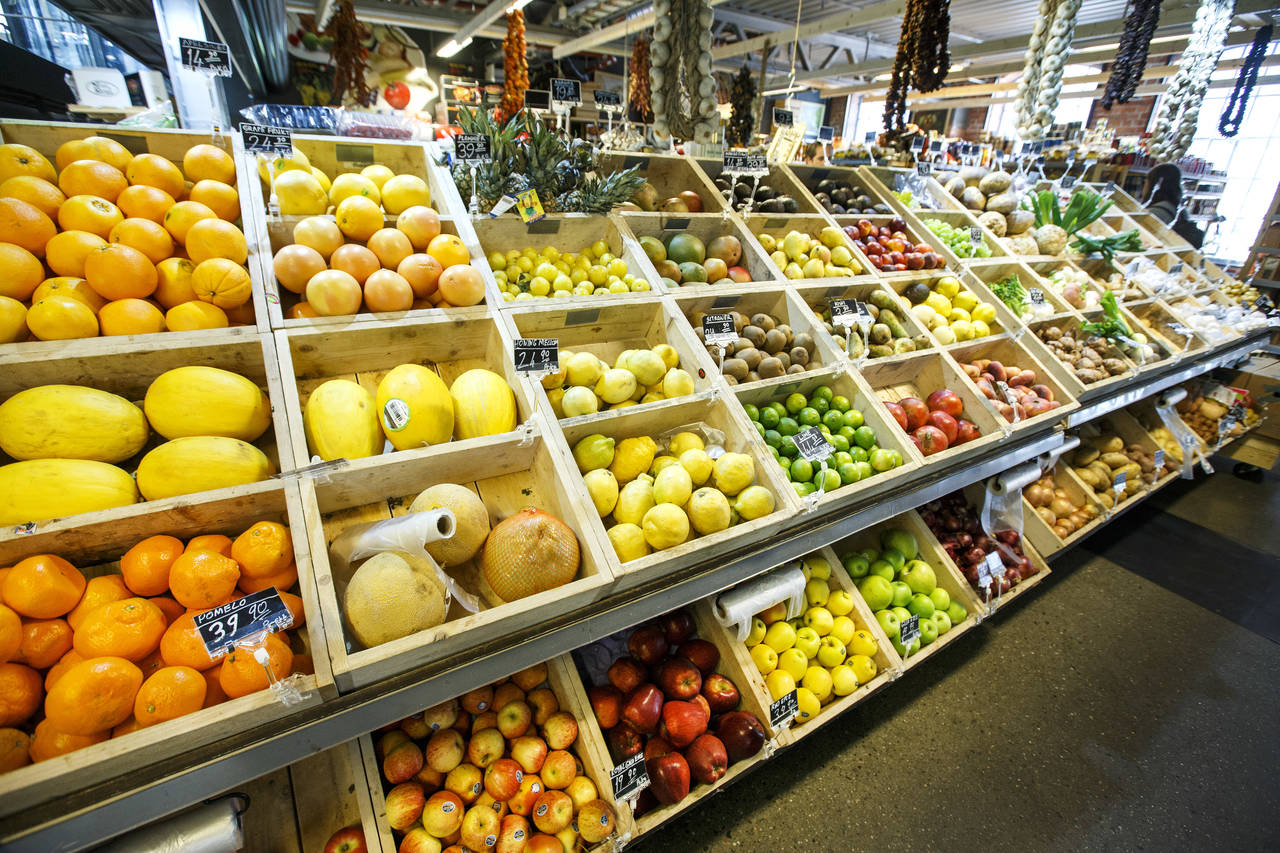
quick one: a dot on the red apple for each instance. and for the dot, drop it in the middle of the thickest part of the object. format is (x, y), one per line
(552, 812)
(606, 702)
(721, 693)
(418, 840)
(596, 821)
(624, 741)
(560, 730)
(669, 778)
(944, 400)
(443, 813)
(402, 763)
(513, 834)
(702, 654)
(932, 440)
(502, 778)
(626, 674)
(677, 626)
(679, 679)
(741, 733)
(643, 708)
(648, 644)
(348, 840)
(682, 722)
(916, 411)
(656, 747)
(559, 770)
(529, 752)
(946, 423)
(897, 413)
(707, 759)
(704, 706)
(514, 719)
(485, 747)
(530, 789)
(404, 805)
(966, 430)
(480, 827)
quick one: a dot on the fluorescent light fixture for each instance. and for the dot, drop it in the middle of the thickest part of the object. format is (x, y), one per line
(786, 90)
(450, 48)
(518, 5)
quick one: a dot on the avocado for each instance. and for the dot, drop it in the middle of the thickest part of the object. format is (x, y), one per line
(917, 293)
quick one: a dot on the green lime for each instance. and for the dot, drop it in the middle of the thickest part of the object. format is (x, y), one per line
(864, 470)
(840, 403)
(788, 447)
(853, 418)
(897, 457)
(779, 408)
(839, 442)
(796, 402)
(772, 437)
(843, 457)
(803, 489)
(801, 469)
(752, 411)
(759, 427)
(819, 405)
(788, 426)
(769, 417)
(864, 436)
(846, 431)
(822, 392)
(848, 473)
(833, 419)
(859, 454)
(830, 479)
(809, 417)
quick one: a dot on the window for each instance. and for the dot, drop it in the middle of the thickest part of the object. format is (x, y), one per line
(47, 31)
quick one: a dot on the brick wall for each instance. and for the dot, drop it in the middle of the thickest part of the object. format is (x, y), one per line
(974, 122)
(1127, 119)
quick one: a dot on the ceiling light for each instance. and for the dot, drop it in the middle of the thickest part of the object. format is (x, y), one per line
(450, 48)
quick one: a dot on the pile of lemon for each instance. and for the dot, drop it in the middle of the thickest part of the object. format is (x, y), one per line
(531, 274)
(584, 384)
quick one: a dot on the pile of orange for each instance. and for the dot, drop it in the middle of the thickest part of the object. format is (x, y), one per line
(83, 660)
(112, 243)
(348, 261)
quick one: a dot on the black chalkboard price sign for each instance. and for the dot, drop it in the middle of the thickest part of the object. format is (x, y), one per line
(783, 118)
(566, 92)
(536, 355)
(472, 147)
(607, 100)
(223, 627)
(742, 163)
(205, 57)
(265, 139)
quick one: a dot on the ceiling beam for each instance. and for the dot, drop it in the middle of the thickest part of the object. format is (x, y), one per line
(760, 23)
(1092, 94)
(621, 29)
(827, 25)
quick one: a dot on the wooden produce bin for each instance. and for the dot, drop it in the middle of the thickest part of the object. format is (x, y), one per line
(918, 376)
(706, 227)
(1154, 233)
(95, 546)
(780, 179)
(818, 297)
(589, 748)
(887, 660)
(916, 236)
(783, 305)
(1070, 324)
(1012, 352)
(670, 175)
(1158, 323)
(948, 576)
(811, 177)
(1100, 271)
(1030, 275)
(884, 179)
(366, 352)
(963, 220)
(1164, 351)
(509, 475)
(675, 416)
(128, 373)
(46, 137)
(1040, 533)
(1005, 319)
(778, 227)
(729, 666)
(845, 382)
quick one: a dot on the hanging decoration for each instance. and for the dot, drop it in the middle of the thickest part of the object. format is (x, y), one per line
(1233, 115)
(742, 97)
(922, 60)
(1041, 81)
(1180, 108)
(638, 83)
(684, 90)
(515, 67)
(1131, 58)
(350, 57)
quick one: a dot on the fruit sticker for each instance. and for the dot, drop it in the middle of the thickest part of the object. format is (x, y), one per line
(395, 414)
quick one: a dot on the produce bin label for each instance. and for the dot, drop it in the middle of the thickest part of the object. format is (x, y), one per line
(909, 630)
(1117, 484)
(784, 710)
(530, 206)
(870, 137)
(629, 778)
(1036, 295)
(472, 147)
(222, 628)
(719, 328)
(205, 57)
(565, 91)
(975, 235)
(924, 169)
(1158, 459)
(995, 565)
(536, 355)
(265, 139)
(742, 163)
(813, 445)
(1068, 181)
(607, 100)
(1177, 268)
(826, 134)
(783, 118)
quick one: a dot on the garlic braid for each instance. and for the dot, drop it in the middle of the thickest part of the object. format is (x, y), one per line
(683, 90)
(1046, 58)
(1180, 110)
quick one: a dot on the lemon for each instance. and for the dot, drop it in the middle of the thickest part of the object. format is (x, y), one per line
(579, 401)
(639, 393)
(754, 502)
(632, 457)
(756, 635)
(345, 186)
(672, 486)
(320, 176)
(603, 488)
(767, 242)
(647, 366)
(963, 330)
(583, 370)
(683, 441)
(653, 397)
(634, 500)
(296, 161)
(948, 286)
(964, 299)
(594, 451)
(939, 303)
(665, 526)
(698, 464)
(984, 313)
(661, 462)
(779, 684)
(980, 329)
(556, 397)
(733, 472)
(628, 542)
(300, 194)
(622, 405)
(616, 385)
(378, 173)
(677, 383)
(668, 354)
(709, 511)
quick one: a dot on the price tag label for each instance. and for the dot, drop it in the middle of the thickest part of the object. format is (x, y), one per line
(923, 169)
(223, 627)
(826, 134)
(205, 57)
(566, 92)
(909, 630)
(1036, 295)
(995, 565)
(1236, 412)
(784, 710)
(472, 147)
(844, 312)
(719, 328)
(1109, 188)
(1177, 268)
(870, 137)
(1117, 484)
(607, 100)
(265, 139)
(1040, 161)
(813, 445)
(783, 118)
(1158, 459)
(917, 144)
(935, 146)
(530, 206)
(1003, 389)
(629, 778)
(975, 235)
(742, 163)
(536, 355)
(984, 575)
(1068, 181)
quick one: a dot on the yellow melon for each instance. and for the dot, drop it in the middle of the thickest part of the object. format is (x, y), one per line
(201, 400)
(468, 511)
(341, 421)
(483, 404)
(414, 407)
(199, 463)
(392, 595)
(71, 422)
(41, 489)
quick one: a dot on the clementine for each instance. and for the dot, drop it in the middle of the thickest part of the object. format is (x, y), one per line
(264, 549)
(285, 579)
(101, 590)
(15, 747)
(20, 693)
(25, 225)
(143, 202)
(117, 271)
(171, 692)
(68, 660)
(170, 608)
(241, 674)
(181, 644)
(218, 197)
(211, 542)
(89, 213)
(145, 567)
(34, 191)
(92, 177)
(145, 236)
(23, 272)
(130, 317)
(201, 578)
(152, 170)
(48, 742)
(10, 633)
(44, 641)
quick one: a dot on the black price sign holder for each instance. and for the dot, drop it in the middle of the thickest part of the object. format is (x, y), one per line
(740, 164)
(609, 103)
(268, 142)
(211, 59)
(473, 149)
(565, 95)
(909, 632)
(814, 447)
(784, 710)
(536, 355)
(783, 118)
(629, 779)
(245, 624)
(1036, 295)
(852, 315)
(719, 330)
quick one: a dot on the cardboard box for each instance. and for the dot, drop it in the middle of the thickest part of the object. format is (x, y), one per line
(1261, 379)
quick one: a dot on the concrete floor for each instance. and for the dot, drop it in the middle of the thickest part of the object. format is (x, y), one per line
(1124, 705)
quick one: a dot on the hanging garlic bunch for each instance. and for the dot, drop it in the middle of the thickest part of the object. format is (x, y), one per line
(683, 89)
(1180, 110)
(1047, 52)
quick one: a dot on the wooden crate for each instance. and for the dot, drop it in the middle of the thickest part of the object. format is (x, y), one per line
(948, 576)
(1029, 274)
(366, 352)
(589, 748)
(728, 666)
(1010, 352)
(1062, 372)
(1154, 233)
(706, 227)
(95, 547)
(1036, 530)
(509, 476)
(963, 220)
(1101, 272)
(819, 296)
(1124, 425)
(46, 137)
(670, 175)
(739, 436)
(778, 226)
(919, 376)
(809, 177)
(886, 179)
(887, 660)
(1005, 320)
(847, 383)
(780, 179)
(1163, 349)
(1158, 323)
(915, 234)
(129, 373)
(782, 305)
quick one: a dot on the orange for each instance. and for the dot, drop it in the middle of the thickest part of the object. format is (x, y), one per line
(92, 177)
(209, 162)
(10, 633)
(152, 663)
(145, 236)
(218, 197)
(264, 549)
(93, 696)
(461, 285)
(359, 217)
(13, 320)
(215, 238)
(174, 282)
(304, 664)
(168, 694)
(23, 272)
(391, 247)
(223, 282)
(48, 742)
(201, 578)
(420, 224)
(300, 311)
(145, 567)
(320, 233)
(171, 609)
(60, 318)
(387, 291)
(181, 644)
(152, 170)
(89, 213)
(117, 271)
(101, 148)
(34, 191)
(20, 693)
(143, 202)
(356, 261)
(25, 225)
(241, 315)
(192, 316)
(130, 317)
(282, 580)
(296, 610)
(449, 250)
(129, 726)
(70, 659)
(44, 641)
(179, 218)
(295, 264)
(15, 747)
(66, 252)
(101, 590)
(211, 542)
(24, 160)
(129, 629)
(43, 587)
(241, 674)
(215, 694)
(422, 272)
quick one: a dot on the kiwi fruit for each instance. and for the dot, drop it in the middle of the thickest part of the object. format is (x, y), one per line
(774, 341)
(786, 330)
(770, 368)
(764, 321)
(740, 321)
(804, 339)
(795, 368)
(753, 376)
(755, 334)
(736, 368)
(730, 380)
(741, 344)
(799, 356)
(784, 357)
(751, 356)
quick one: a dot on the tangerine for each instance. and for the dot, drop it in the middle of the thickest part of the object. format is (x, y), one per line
(218, 197)
(24, 160)
(129, 629)
(68, 660)
(223, 282)
(44, 641)
(92, 177)
(20, 693)
(282, 580)
(143, 202)
(301, 311)
(43, 587)
(179, 218)
(181, 644)
(93, 696)
(296, 610)
(89, 213)
(15, 747)
(130, 317)
(216, 238)
(66, 252)
(117, 271)
(48, 742)
(25, 225)
(101, 590)
(214, 694)
(102, 148)
(144, 568)
(241, 674)
(23, 272)
(170, 608)
(209, 162)
(36, 192)
(145, 236)
(10, 633)
(449, 250)
(60, 318)
(201, 578)
(264, 549)
(211, 542)
(152, 170)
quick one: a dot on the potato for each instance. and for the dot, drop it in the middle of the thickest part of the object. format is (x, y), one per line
(956, 186)
(1115, 461)
(1085, 455)
(1019, 221)
(995, 183)
(973, 199)
(993, 221)
(1003, 202)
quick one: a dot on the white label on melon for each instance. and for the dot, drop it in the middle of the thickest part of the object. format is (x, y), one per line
(395, 414)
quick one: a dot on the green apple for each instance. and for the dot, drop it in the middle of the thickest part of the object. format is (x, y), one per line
(831, 652)
(793, 662)
(901, 593)
(901, 541)
(816, 592)
(807, 641)
(843, 680)
(843, 629)
(884, 569)
(780, 636)
(921, 605)
(765, 659)
(941, 621)
(941, 598)
(756, 635)
(820, 620)
(856, 565)
(902, 613)
(902, 651)
(956, 613)
(894, 557)
(889, 622)
(920, 577)
(928, 630)
(840, 602)
(876, 591)
(796, 623)
(883, 460)
(869, 554)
